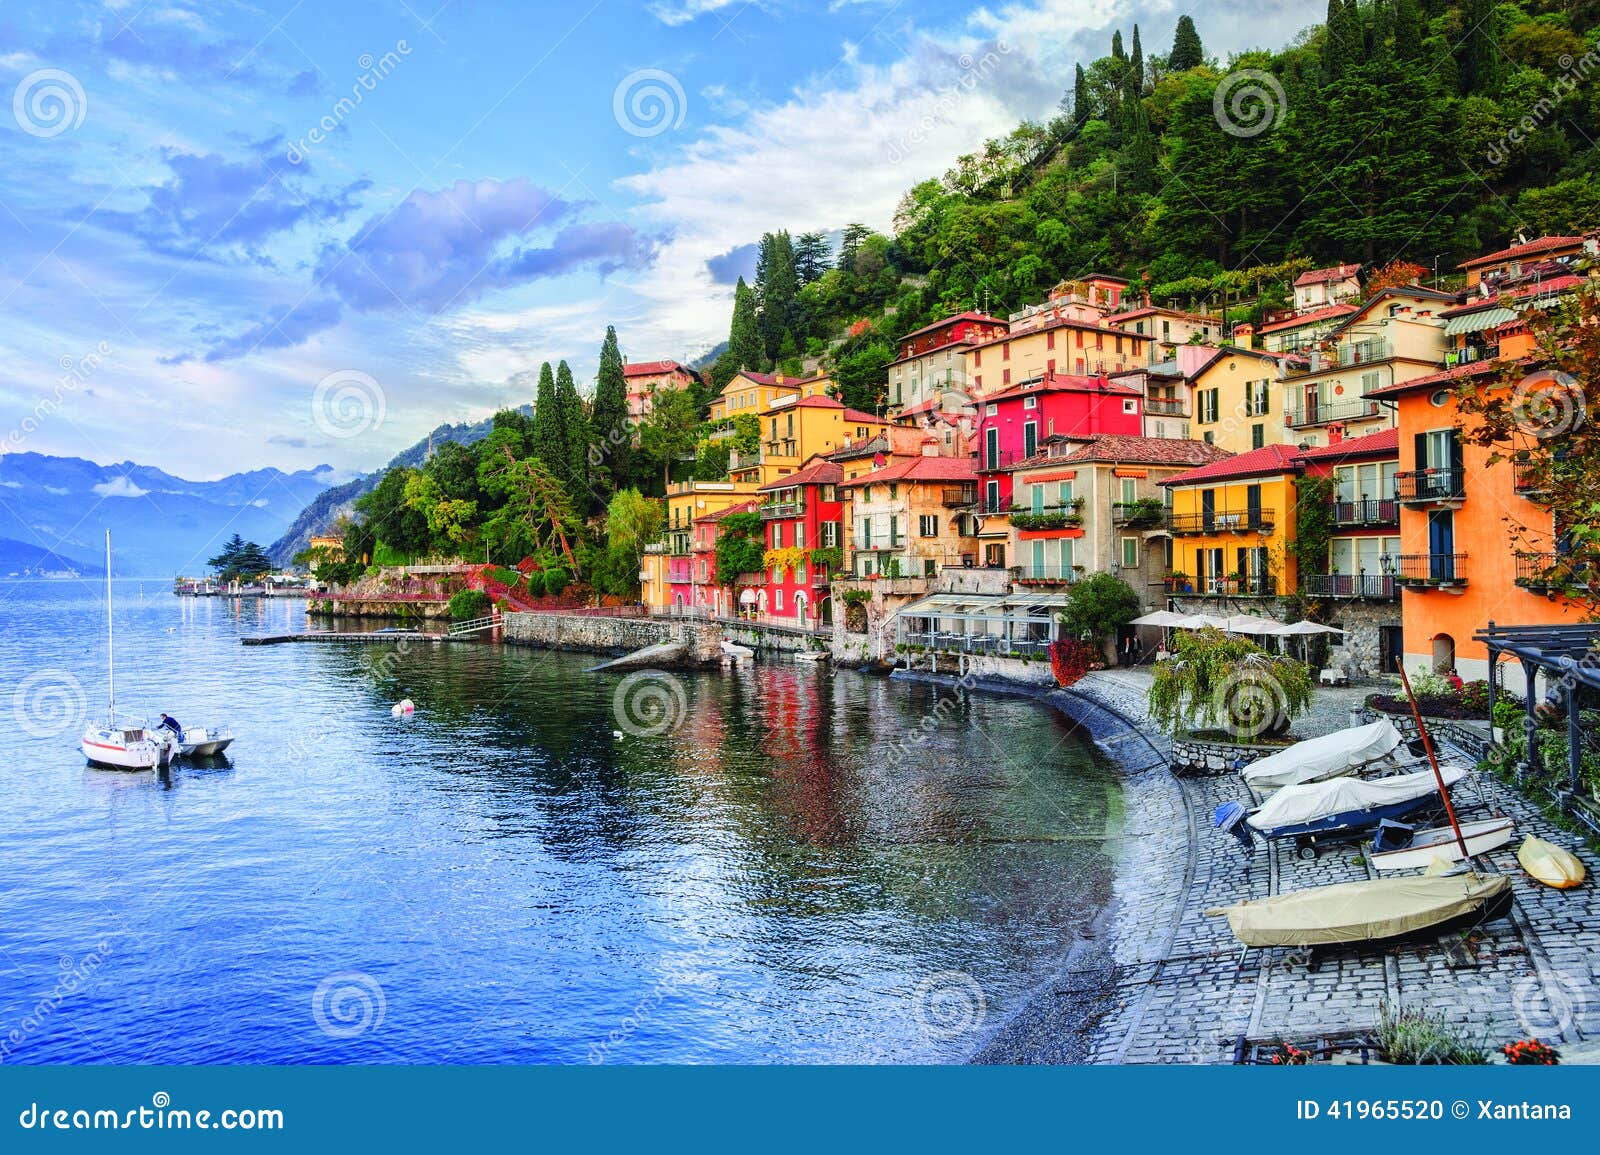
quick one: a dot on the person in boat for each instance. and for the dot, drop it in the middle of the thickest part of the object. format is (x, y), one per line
(168, 722)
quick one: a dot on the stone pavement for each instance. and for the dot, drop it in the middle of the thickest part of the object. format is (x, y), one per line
(1182, 990)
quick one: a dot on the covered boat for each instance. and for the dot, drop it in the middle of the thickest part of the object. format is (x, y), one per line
(1374, 911)
(1348, 803)
(1550, 864)
(1330, 756)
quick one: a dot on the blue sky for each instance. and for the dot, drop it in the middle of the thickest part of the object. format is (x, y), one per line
(207, 210)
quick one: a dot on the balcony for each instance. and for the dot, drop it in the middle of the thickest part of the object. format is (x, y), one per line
(1164, 407)
(1552, 571)
(1425, 486)
(994, 508)
(1243, 586)
(1047, 517)
(1151, 513)
(744, 460)
(783, 447)
(1527, 479)
(958, 496)
(782, 510)
(1376, 587)
(1241, 521)
(1365, 511)
(1322, 360)
(1046, 574)
(1325, 413)
(1423, 570)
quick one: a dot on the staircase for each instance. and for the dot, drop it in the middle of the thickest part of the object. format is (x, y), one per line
(476, 625)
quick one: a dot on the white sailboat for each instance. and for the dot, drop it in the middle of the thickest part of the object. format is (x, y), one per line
(114, 744)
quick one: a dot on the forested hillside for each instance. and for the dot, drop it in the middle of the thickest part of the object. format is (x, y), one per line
(1427, 130)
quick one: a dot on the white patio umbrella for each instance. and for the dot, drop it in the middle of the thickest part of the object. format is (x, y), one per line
(1166, 619)
(1199, 622)
(1305, 629)
(1249, 624)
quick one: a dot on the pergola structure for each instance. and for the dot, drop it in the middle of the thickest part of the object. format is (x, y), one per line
(1569, 658)
(977, 624)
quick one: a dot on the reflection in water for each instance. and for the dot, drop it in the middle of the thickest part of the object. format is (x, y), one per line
(769, 881)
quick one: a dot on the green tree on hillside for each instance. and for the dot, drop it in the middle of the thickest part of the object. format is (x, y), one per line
(670, 433)
(549, 439)
(575, 427)
(611, 432)
(1187, 51)
(240, 560)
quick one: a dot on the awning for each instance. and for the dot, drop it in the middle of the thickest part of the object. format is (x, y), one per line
(1479, 321)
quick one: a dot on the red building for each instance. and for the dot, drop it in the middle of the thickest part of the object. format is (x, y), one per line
(801, 513)
(1011, 426)
(932, 365)
(700, 589)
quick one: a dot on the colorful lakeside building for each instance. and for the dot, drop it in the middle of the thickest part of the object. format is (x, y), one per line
(802, 522)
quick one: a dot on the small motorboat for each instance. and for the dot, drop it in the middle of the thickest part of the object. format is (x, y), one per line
(203, 741)
(1399, 848)
(811, 655)
(735, 651)
(1335, 809)
(1377, 911)
(1551, 865)
(1348, 751)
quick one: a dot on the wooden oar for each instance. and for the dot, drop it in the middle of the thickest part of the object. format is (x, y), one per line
(1427, 744)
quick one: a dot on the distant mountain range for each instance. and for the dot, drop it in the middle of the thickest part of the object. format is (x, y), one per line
(18, 559)
(328, 506)
(161, 525)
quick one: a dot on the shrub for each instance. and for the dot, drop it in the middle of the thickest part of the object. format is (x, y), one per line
(1231, 682)
(536, 583)
(556, 581)
(1418, 1038)
(469, 604)
(1530, 1053)
(506, 577)
(1098, 606)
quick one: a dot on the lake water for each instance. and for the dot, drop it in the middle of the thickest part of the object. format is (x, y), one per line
(788, 874)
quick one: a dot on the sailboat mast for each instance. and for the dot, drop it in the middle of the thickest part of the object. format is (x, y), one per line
(1427, 744)
(111, 660)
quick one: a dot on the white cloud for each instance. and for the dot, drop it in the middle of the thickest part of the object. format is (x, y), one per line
(121, 487)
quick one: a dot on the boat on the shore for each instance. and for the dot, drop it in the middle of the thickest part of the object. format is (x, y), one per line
(1344, 752)
(1551, 865)
(1422, 848)
(1372, 912)
(1335, 809)
(116, 745)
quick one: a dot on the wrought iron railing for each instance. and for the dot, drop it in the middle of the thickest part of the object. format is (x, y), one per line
(1350, 585)
(1431, 485)
(1365, 511)
(1430, 568)
(1232, 521)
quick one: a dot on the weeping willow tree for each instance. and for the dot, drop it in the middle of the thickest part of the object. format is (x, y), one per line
(1228, 682)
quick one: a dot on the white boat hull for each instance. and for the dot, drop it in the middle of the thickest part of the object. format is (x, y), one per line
(1440, 843)
(203, 742)
(116, 750)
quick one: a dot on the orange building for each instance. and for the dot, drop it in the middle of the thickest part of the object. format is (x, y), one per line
(1457, 568)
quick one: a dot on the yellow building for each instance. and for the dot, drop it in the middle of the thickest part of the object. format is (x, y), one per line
(1232, 521)
(1238, 400)
(750, 393)
(794, 431)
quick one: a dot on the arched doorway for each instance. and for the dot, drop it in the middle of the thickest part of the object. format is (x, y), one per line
(825, 609)
(800, 606)
(1444, 653)
(761, 602)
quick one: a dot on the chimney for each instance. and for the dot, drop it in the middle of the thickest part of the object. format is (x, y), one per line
(1335, 434)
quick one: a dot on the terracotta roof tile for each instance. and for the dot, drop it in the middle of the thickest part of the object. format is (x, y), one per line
(922, 469)
(1526, 249)
(1268, 460)
(1372, 445)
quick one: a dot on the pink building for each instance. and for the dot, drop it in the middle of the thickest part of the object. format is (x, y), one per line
(645, 377)
(1011, 426)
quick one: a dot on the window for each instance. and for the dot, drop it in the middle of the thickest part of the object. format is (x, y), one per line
(1036, 498)
(830, 534)
(991, 410)
(991, 496)
(1256, 395)
(1030, 438)
(777, 599)
(800, 572)
(1130, 553)
(991, 446)
(1208, 437)
(866, 493)
(1066, 493)
(977, 358)
(1030, 402)
(1208, 406)
(1258, 436)
(1130, 406)
(894, 531)
(1129, 486)
(1005, 352)
(927, 525)
(1050, 339)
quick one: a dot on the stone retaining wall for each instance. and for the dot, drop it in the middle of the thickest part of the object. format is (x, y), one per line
(408, 611)
(589, 633)
(1197, 756)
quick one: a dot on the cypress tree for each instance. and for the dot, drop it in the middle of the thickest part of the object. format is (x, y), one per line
(744, 336)
(549, 440)
(1475, 68)
(1408, 30)
(1187, 52)
(776, 287)
(1342, 45)
(1137, 64)
(575, 424)
(1080, 96)
(1117, 51)
(609, 426)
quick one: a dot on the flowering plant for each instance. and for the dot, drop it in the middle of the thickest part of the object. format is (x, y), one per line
(1289, 1055)
(1530, 1053)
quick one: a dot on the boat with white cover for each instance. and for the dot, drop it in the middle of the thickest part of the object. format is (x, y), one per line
(1335, 755)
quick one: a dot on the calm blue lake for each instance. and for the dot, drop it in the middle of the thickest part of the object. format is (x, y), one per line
(785, 875)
